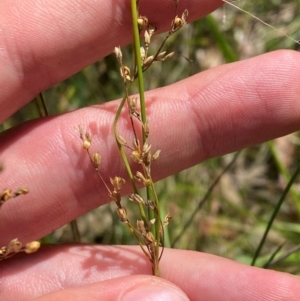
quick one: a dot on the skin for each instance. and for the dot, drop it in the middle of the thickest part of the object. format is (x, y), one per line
(207, 115)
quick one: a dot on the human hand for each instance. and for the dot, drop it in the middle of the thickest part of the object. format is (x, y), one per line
(212, 113)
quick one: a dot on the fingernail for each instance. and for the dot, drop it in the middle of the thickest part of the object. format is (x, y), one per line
(157, 291)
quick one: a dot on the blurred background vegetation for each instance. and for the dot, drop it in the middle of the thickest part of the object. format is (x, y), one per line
(229, 219)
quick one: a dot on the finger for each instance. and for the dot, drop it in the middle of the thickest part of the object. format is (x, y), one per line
(200, 276)
(43, 44)
(210, 114)
(215, 278)
(90, 282)
(123, 289)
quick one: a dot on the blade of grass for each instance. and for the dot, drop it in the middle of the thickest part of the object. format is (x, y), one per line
(274, 214)
(284, 256)
(267, 264)
(228, 52)
(203, 200)
(285, 174)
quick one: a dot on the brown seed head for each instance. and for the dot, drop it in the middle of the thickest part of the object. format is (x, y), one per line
(5, 195)
(147, 37)
(87, 141)
(151, 222)
(177, 23)
(169, 55)
(14, 246)
(132, 103)
(140, 178)
(86, 144)
(122, 140)
(147, 159)
(142, 22)
(146, 129)
(122, 215)
(141, 226)
(136, 198)
(136, 145)
(118, 54)
(22, 190)
(167, 219)
(151, 29)
(125, 73)
(117, 183)
(184, 16)
(146, 147)
(148, 61)
(96, 159)
(156, 155)
(3, 251)
(32, 247)
(151, 205)
(161, 56)
(149, 238)
(136, 157)
(143, 53)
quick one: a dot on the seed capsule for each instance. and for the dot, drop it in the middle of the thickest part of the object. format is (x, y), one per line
(122, 214)
(32, 247)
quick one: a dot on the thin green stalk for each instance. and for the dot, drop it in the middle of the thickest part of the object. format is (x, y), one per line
(140, 78)
(286, 175)
(274, 214)
(284, 256)
(204, 199)
(158, 224)
(75, 231)
(41, 98)
(228, 52)
(41, 105)
(166, 239)
(124, 157)
(137, 51)
(267, 264)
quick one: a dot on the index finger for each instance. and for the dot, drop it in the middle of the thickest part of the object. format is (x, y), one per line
(43, 43)
(201, 276)
(209, 114)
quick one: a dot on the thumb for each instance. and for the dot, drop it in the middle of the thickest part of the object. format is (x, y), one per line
(129, 288)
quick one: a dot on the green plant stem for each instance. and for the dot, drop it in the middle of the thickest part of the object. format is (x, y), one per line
(267, 264)
(130, 174)
(285, 174)
(158, 223)
(274, 214)
(124, 157)
(204, 199)
(75, 231)
(284, 256)
(229, 54)
(166, 238)
(140, 77)
(137, 51)
(40, 101)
